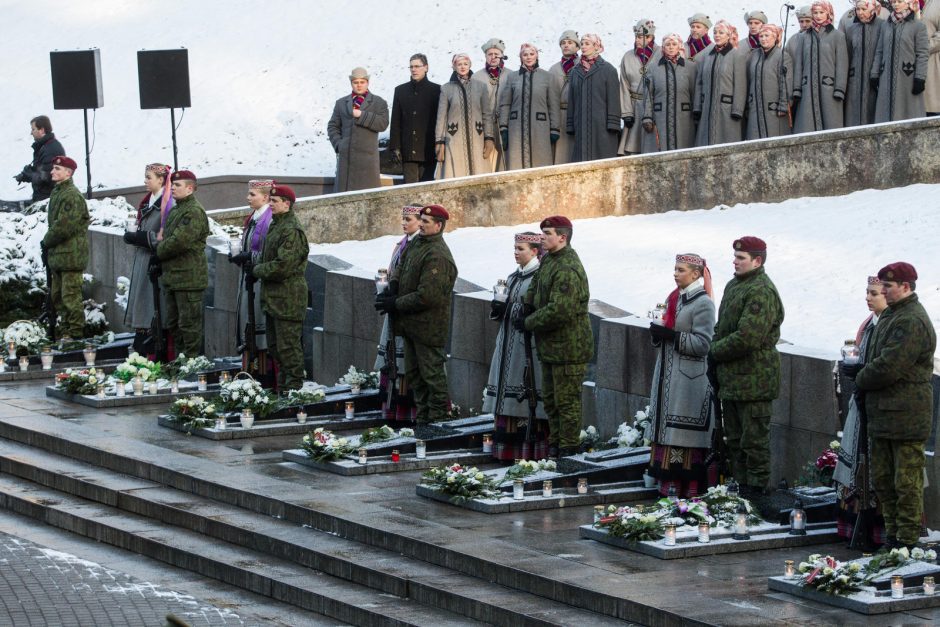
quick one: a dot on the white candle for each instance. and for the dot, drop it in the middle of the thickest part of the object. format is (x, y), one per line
(119, 388)
(897, 587)
(583, 485)
(518, 490)
(421, 449)
(669, 539)
(363, 456)
(929, 586)
(24, 364)
(152, 387)
(547, 488)
(704, 533)
(301, 416)
(350, 410)
(202, 384)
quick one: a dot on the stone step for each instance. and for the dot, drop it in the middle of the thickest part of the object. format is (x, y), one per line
(382, 570)
(251, 570)
(506, 563)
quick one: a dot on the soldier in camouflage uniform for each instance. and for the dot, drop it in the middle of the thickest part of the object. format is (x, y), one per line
(66, 247)
(420, 300)
(558, 298)
(283, 287)
(895, 392)
(744, 365)
(181, 254)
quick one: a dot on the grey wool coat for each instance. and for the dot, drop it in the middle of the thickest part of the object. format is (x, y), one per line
(594, 111)
(503, 394)
(900, 58)
(768, 93)
(861, 39)
(821, 73)
(528, 109)
(930, 15)
(720, 96)
(356, 142)
(464, 121)
(681, 409)
(633, 86)
(494, 91)
(669, 94)
(139, 314)
(565, 144)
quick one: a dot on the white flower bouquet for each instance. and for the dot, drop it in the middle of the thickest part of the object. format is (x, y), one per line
(358, 378)
(26, 335)
(137, 365)
(80, 381)
(245, 393)
(324, 446)
(633, 436)
(524, 468)
(461, 483)
(194, 412)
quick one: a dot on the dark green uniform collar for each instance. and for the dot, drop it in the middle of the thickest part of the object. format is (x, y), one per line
(66, 183)
(750, 275)
(433, 238)
(901, 304)
(562, 252)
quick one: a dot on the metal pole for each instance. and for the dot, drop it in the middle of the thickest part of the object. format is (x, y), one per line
(87, 156)
(173, 128)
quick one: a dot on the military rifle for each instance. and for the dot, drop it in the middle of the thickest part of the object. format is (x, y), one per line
(251, 326)
(48, 316)
(718, 454)
(156, 324)
(391, 355)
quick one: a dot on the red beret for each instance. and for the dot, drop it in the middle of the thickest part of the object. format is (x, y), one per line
(436, 211)
(899, 272)
(751, 244)
(556, 222)
(182, 175)
(65, 162)
(283, 191)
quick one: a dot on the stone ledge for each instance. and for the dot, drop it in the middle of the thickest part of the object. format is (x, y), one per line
(561, 497)
(349, 466)
(268, 428)
(861, 602)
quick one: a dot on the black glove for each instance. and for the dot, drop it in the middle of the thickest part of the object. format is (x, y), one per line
(497, 309)
(250, 279)
(26, 176)
(736, 117)
(918, 87)
(859, 401)
(504, 137)
(138, 238)
(154, 268)
(385, 303)
(697, 115)
(396, 156)
(240, 258)
(518, 323)
(873, 83)
(661, 332)
(711, 372)
(849, 371)
(553, 136)
(628, 122)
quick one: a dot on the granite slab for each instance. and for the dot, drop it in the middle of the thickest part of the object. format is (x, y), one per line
(561, 497)
(129, 400)
(766, 536)
(282, 426)
(35, 371)
(378, 464)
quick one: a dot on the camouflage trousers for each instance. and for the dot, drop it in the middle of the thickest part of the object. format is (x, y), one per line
(561, 397)
(897, 472)
(426, 373)
(286, 347)
(66, 290)
(184, 313)
(747, 429)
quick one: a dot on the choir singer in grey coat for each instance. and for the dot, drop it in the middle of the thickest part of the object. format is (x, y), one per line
(593, 104)
(861, 39)
(769, 69)
(821, 72)
(900, 67)
(668, 122)
(529, 118)
(720, 90)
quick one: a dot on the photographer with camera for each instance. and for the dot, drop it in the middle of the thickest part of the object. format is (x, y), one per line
(46, 147)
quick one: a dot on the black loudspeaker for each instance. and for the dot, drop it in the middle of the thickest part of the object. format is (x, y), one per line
(163, 76)
(76, 79)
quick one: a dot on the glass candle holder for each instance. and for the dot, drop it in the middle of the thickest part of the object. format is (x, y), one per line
(421, 449)
(598, 513)
(175, 386)
(704, 533)
(850, 353)
(24, 364)
(202, 383)
(547, 487)
(45, 358)
(789, 570)
(350, 410)
(798, 519)
(355, 388)
(363, 456)
(221, 422)
(741, 531)
(89, 353)
(247, 418)
(224, 377)
(3, 365)
(487, 443)
(131, 223)
(138, 386)
(929, 586)
(518, 489)
(501, 291)
(11, 350)
(396, 457)
(301, 416)
(119, 388)
(100, 394)
(235, 246)
(152, 387)
(583, 485)
(897, 587)
(669, 535)
(381, 280)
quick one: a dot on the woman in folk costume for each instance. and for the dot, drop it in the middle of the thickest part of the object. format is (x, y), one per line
(861, 39)
(720, 89)
(634, 67)
(681, 401)
(668, 122)
(152, 213)
(463, 123)
(529, 117)
(854, 463)
(402, 406)
(255, 229)
(505, 393)
(849, 17)
(899, 72)
(769, 85)
(593, 104)
(820, 73)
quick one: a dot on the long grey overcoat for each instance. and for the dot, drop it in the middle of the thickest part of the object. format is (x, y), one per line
(930, 16)
(594, 111)
(821, 72)
(528, 109)
(633, 86)
(463, 123)
(669, 96)
(356, 142)
(681, 409)
(494, 91)
(861, 40)
(504, 391)
(900, 58)
(564, 145)
(139, 314)
(720, 96)
(768, 93)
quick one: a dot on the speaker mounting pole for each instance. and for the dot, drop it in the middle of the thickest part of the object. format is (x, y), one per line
(87, 156)
(173, 128)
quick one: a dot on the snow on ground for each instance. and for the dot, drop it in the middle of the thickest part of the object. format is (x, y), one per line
(264, 77)
(821, 250)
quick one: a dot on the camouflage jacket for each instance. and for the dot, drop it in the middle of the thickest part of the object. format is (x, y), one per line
(182, 251)
(896, 377)
(745, 342)
(67, 237)
(559, 294)
(426, 280)
(282, 268)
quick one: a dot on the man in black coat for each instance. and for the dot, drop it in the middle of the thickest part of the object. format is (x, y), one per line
(45, 148)
(414, 114)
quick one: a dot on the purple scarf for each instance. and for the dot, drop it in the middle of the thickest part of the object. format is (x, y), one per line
(644, 53)
(567, 63)
(754, 40)
(399, 251)
(261, 230)
(697, 45)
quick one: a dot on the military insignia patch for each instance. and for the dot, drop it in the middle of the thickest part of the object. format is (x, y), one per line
(563, 288)
(434, 271)
(755, 307)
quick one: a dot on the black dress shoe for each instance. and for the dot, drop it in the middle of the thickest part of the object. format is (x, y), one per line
(568, 451)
